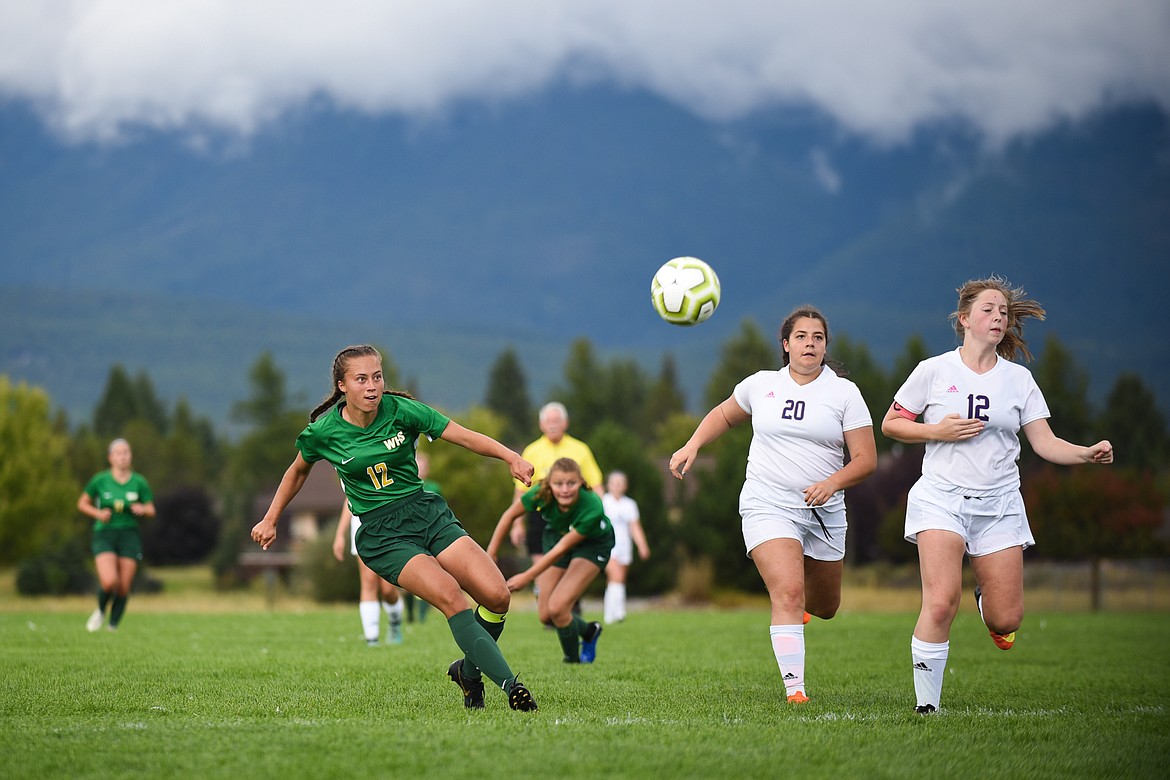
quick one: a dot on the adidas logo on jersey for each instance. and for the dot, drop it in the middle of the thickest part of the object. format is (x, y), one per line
(769, 394)
(952, 389)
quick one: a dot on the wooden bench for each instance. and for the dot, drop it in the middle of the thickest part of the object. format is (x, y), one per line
(275, 566)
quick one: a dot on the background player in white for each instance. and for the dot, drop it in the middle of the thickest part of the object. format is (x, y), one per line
(973, 402)
(793, 508)
(375, 594)
(622, 512)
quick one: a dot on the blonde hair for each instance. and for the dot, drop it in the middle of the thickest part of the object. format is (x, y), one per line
(1019, 308)
(544, 497)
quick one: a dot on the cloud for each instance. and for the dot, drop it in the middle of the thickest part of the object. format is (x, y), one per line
(880, 70)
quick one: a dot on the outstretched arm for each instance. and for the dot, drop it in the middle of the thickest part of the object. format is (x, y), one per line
(524, 578)
(718, 421)
(488, 447)
(264, 532)
(1054, 449)
(514, 511)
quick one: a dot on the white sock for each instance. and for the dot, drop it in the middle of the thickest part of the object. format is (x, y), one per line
(615, 602)
(394, 611)
(371, 619)
(788, 645)
(930, 661)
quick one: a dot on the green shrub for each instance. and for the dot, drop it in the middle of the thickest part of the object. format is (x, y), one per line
(57, 571)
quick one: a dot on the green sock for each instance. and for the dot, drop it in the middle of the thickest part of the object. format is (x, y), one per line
(479, 648)
(579, 625)
(104, 599)
(493, 623)
(568, 636)
(116, 610)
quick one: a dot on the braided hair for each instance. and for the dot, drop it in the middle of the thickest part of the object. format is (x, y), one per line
(340, 364)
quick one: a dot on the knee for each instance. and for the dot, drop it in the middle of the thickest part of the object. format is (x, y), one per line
(1006, 622)
(560, 611)
(789, 597)
(496, 599)
(940, 610)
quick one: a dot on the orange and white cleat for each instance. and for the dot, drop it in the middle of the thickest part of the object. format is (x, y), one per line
(798, 698)
(1003, 641)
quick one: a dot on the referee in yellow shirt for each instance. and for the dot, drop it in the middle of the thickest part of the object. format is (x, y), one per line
(554, 443)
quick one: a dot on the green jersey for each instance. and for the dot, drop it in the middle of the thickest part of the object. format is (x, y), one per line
(376, 464)
(108, 493)
(586, 516)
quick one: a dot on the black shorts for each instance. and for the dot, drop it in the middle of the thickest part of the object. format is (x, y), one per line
(535, 539)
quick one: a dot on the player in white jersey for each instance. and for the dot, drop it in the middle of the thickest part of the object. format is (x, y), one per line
(973, 403)
(623, 515)
(803, 418)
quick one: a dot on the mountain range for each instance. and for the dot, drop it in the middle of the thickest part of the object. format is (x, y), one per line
(186, 255)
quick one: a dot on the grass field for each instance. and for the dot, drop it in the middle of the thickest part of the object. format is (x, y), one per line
(294, 692)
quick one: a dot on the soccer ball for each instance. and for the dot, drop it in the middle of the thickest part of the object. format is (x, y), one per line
(685, 291)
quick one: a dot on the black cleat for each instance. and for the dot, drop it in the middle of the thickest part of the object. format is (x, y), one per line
(520, 699)
(472, 689)
(924, 709)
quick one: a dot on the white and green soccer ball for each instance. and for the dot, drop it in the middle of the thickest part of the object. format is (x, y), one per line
(685, 291)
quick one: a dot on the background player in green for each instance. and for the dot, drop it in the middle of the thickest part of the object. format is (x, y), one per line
(116, 498)
(408, 535)
(578, 540)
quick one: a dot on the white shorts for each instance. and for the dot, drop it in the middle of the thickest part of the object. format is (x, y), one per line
(623, 547)
(354, 523)
(822, 540)
(987, 523)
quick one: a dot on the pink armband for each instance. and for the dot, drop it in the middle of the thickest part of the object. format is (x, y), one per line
(902, 410)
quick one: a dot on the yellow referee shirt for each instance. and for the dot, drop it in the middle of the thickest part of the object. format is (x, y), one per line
(542, 453)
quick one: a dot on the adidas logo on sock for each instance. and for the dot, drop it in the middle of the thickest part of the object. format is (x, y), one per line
(789, 676)
(922, 667)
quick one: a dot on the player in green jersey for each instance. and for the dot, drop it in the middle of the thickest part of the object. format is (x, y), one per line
(408, 535)
(116, 499)
(578, 540)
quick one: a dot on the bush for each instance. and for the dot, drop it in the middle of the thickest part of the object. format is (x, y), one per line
(186, 529)
(57, 571)
(67, 570)
(323, 576)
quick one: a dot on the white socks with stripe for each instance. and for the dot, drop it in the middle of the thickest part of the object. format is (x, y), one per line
(394, 611)
(930, 661)
(788, 646)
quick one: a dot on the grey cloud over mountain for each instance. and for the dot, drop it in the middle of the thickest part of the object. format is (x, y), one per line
(99, 70)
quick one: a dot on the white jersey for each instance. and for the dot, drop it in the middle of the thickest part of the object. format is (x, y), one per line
(798, 434)
(621, 513)
(1006, 398)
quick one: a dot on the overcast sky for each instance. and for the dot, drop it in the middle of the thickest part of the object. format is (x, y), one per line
(879, 68)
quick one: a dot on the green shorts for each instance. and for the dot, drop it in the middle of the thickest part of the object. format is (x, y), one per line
(419, 524)
(123, 542)
(596, 551)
